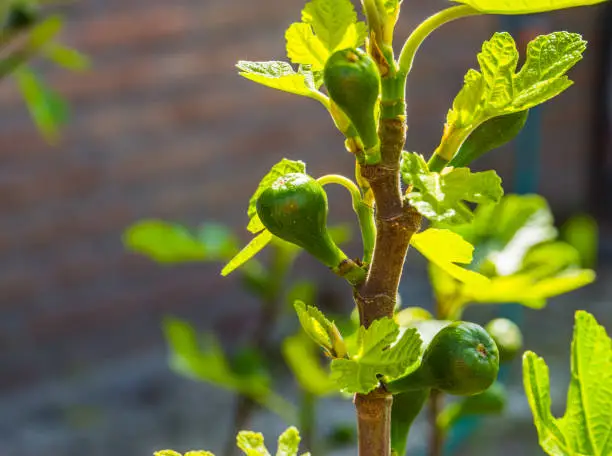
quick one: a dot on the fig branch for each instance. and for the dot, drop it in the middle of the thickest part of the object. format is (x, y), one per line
(396, 222)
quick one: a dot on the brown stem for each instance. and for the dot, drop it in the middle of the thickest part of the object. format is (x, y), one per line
(395, 223)
(436, 438)
(376, 297)
(374, 422)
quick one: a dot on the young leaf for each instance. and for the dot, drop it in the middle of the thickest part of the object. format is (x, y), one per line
(327, 26)
(332, 21)
(283, 167)
(252, 443)
(288, 442)
(524, 6)
(304, 47)
(586, 427)
(378, 353)
(320, 329)
(445, 248)
(498, 90)
(439, 196)
(303, 360)
(248, 252)
(172, 243)
(280, 76)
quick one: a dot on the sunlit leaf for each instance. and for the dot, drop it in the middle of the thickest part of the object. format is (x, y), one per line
(445, 248)
(586, 427)
(248, 252)
(499, 90)
(280, 76)
(331, 21)
(304, 47)
(524, 6)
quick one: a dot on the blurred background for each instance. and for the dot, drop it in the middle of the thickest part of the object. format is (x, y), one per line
(162, 126)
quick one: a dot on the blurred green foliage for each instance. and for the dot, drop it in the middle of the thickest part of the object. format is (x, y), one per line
(29, 30)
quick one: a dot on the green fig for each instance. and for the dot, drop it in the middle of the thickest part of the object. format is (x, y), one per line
(294, 208)
(353, 83)
(461, 359)
(490, 135)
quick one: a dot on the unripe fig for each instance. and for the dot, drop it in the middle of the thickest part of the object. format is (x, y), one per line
(294, 208)
(353, 83)
(490, 135)
(461, 359)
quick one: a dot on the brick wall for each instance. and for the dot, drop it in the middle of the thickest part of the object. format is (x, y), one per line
(163, 127)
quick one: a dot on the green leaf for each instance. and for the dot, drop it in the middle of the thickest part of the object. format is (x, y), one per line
(582, 232)
(248, 252)
(524, 6)
(280, 76)
(203, 359)
(526, 289)
(550, 258)
(327, 26)
(48, 110)
(514, 248)
(320, 329)
(252, 443)
(445, 248)
(66, 57)
(439, 196)
(490, 402)
(44, 31)
(378, 353)
(332, 21)
(172, 243)
(303, 360)
(304, 47)
(504, 233)
(283, 167)
(288, 442)
(586, 427)
(499, 90)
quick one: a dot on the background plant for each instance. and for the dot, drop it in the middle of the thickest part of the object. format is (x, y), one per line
(249, 370)
(30, 29)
